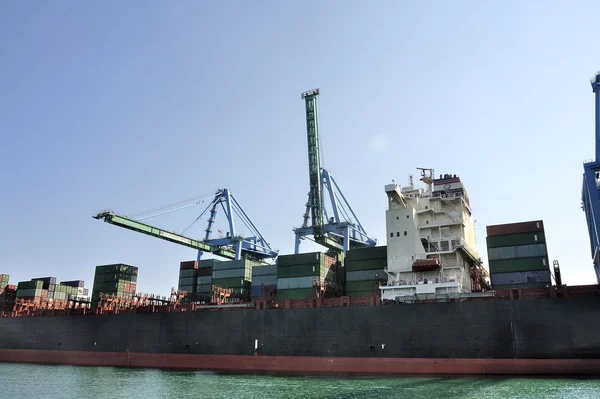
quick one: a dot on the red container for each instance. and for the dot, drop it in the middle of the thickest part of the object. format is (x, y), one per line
(189, 264)
(515, 228)
(204, 271)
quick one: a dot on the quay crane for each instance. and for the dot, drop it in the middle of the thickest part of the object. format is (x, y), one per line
(233, 246)
(590, 194)
(341, 230)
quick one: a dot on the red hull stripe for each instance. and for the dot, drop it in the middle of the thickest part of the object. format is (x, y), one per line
(305, 364)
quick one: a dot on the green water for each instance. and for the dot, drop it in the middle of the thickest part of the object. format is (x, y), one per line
(22, 381)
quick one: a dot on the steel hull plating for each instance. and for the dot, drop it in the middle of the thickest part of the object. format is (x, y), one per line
(541, 336)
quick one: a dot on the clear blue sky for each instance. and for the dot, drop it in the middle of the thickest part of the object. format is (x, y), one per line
(116, 106)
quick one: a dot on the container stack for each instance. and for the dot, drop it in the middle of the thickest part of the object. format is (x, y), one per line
(117, 279)
(235, 275)
(264, 280)
(300, 275)
(3, 281)
(517, 255)
(49, 284)
(204, 279)
(31, 290)
(7, 298)
(364, 268)
(80, 291)
(195, 278)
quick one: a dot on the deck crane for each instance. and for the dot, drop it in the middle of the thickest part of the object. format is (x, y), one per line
(591, 186)
(233, 246)
(341, 230)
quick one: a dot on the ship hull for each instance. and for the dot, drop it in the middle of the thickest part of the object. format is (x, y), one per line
(305, 365)
(540, 336)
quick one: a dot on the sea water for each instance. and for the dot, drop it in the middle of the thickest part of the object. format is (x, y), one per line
(22, 381)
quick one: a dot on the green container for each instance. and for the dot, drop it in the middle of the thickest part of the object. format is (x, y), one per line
(117, 268)
(518, 265)
(512, 240)
(235, 282)
(367, 253)
(361, 286)
(532, 285)
(371, 264)
(300, 293)
(299, 270)
(299, 259)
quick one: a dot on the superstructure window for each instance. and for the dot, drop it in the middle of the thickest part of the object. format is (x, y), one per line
(405, 234)
(397, 234)
(391, 234)
(407, 216)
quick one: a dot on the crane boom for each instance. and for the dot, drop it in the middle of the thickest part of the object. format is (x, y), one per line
(314, 163)
(127, 223)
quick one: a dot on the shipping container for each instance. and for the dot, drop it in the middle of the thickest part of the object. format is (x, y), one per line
(516, 239)
(362, 286)
(367, 253)
(188, 264)
(366, 275)
(304, 293)
(370, 264)
(117, 268)
(518, 265)
(296, 282)
(74, 283)
(542, 276)
(264, 270)
(242, 273)
(299, 259)
(266, 280)
(522, 251)
(183, 273)
(515, 228)
(236, 264)
(204, 280)
(230, 282)
(204, 288)
(187, 281)
(187, 288)
(204, 271)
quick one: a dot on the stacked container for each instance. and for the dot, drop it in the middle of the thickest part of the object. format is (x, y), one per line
(49, 284)
(118, 279)
(364, 267)
(235, 275)
(264, 280)
(518, 256)
(63, 293)
(31, 290)
(298, 275)
(195, 278)
(79, 292)
(7, 298)
(204, 279)
(3, 281)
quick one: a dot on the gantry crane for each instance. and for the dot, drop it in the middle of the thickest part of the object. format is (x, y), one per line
(233, 246)
(591, 186)
(341, 230)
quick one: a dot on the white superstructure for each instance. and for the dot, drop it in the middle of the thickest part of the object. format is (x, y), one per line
(430, 239)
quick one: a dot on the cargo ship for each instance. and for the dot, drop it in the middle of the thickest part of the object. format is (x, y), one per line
(424, 303)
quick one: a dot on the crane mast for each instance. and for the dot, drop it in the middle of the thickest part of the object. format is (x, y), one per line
(340, 230)
(314, 163)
